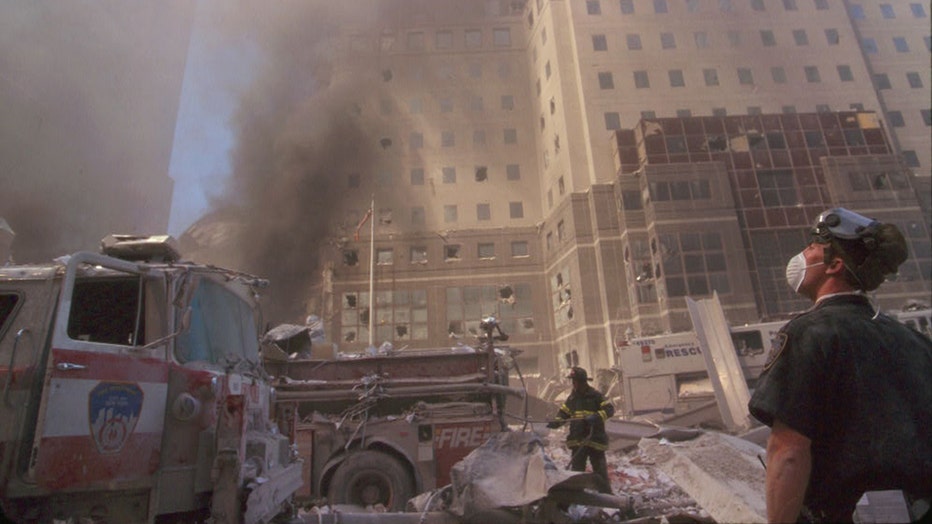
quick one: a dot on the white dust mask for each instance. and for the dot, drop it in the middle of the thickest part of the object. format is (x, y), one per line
(796, 270)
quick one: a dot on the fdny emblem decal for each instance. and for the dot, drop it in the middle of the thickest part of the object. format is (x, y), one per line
(114, 410)
(776, 348)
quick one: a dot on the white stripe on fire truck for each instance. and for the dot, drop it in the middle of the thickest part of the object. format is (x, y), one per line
(67, 412)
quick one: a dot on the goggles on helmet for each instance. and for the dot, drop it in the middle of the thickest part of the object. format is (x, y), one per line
(839, 223)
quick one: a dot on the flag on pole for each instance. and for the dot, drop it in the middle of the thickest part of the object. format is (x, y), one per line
(362, 223)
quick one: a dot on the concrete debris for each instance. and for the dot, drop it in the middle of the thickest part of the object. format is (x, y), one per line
(723, 474)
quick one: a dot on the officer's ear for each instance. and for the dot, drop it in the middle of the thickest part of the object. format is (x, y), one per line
(834, 265)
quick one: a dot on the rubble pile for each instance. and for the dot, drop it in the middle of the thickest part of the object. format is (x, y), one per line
(634, 474)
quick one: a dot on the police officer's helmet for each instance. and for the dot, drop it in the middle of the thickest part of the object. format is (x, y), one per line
(871, 250)
(578, 374)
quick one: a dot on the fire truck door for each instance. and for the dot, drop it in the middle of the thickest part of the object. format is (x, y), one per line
(103, 406)
(25, 313)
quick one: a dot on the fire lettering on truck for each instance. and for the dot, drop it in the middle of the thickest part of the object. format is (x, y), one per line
(461, 436)
(113, 409)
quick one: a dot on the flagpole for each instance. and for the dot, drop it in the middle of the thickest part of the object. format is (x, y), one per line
(371, 271)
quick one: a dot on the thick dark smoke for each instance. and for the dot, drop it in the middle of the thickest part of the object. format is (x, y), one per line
(299, 133)
(89, 92)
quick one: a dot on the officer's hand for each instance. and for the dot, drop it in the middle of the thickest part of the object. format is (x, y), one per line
(592, 419)
(553, 425)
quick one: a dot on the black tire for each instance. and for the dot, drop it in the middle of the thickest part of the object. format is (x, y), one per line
(370, 477)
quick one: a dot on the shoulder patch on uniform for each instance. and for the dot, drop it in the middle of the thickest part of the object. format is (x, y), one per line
(776, 348)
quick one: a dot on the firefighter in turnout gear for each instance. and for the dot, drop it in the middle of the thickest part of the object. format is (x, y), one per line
(587, 410)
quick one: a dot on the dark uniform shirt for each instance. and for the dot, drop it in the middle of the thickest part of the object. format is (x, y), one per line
(580, 405)
(859, 386)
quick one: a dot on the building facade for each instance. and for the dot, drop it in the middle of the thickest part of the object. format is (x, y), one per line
(578, 168)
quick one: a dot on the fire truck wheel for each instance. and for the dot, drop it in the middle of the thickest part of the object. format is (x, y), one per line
(369, 477)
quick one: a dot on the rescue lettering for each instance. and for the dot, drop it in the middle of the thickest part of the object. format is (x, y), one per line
(461, 437)
(683, 352)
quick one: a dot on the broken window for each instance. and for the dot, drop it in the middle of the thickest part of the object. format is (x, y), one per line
(385, 143)
(506, 294)
(482, 173)
(350, 257)
(451, 252)
(717, 143)
(385, 216)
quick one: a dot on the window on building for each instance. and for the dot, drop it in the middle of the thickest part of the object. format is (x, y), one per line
(823, 108)
(882, 81)
(478, 137)
(414, 106)
(887, 11)
(648, 115)
(683, 113)
(510, 136)
(417, 176)
(895, 118)
(719, 111)
(627, 7)
(383, 178)
(789, 5)
(447, 139)
(451, 252)
(606, 81)
(777, 188)
(915, 81)
(444, 40)
(800, 37)
(667, 41)
(634, 42)
(475, 103)
(755, 110)
(416, 140)
(831, 36)
(516, 209)
(513, 172)
(918, 10)
(660, 6)
(483, 211)
(561, 231)
(501, 37)
(449, 213)
(857, 11)
(486, 250)
(757, 5)
(593, 7)
(473, 38)
(417, 216)
(821, 5)
(612, 120)
(449, 175)
(869, 45)
(676, 78)
(812, 74)
(910, 158)
(599, 43)
(508, 102)
(519, 248)
(692, 6)
(561, 186)
(475, 70)
(744, 76)
(723, 6)
(702, 39)
(418, 254)
(900, 44)
(415, 41)
(641, 80)
(767, 38)
(788, 110)
(710, 76)
(844, 73)
(734, 38)
(926, 116)
(384, 256)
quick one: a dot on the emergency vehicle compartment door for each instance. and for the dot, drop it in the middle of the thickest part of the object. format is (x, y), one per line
(25, 313)
(651, 394)
(103, 407)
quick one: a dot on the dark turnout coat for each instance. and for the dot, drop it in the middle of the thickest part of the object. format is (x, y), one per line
(579, 407)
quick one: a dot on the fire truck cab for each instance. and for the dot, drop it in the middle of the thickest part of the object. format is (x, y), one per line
(132, 390)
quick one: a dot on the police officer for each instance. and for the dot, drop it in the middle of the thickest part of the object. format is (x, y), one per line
(587, 410)
(846, 390)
